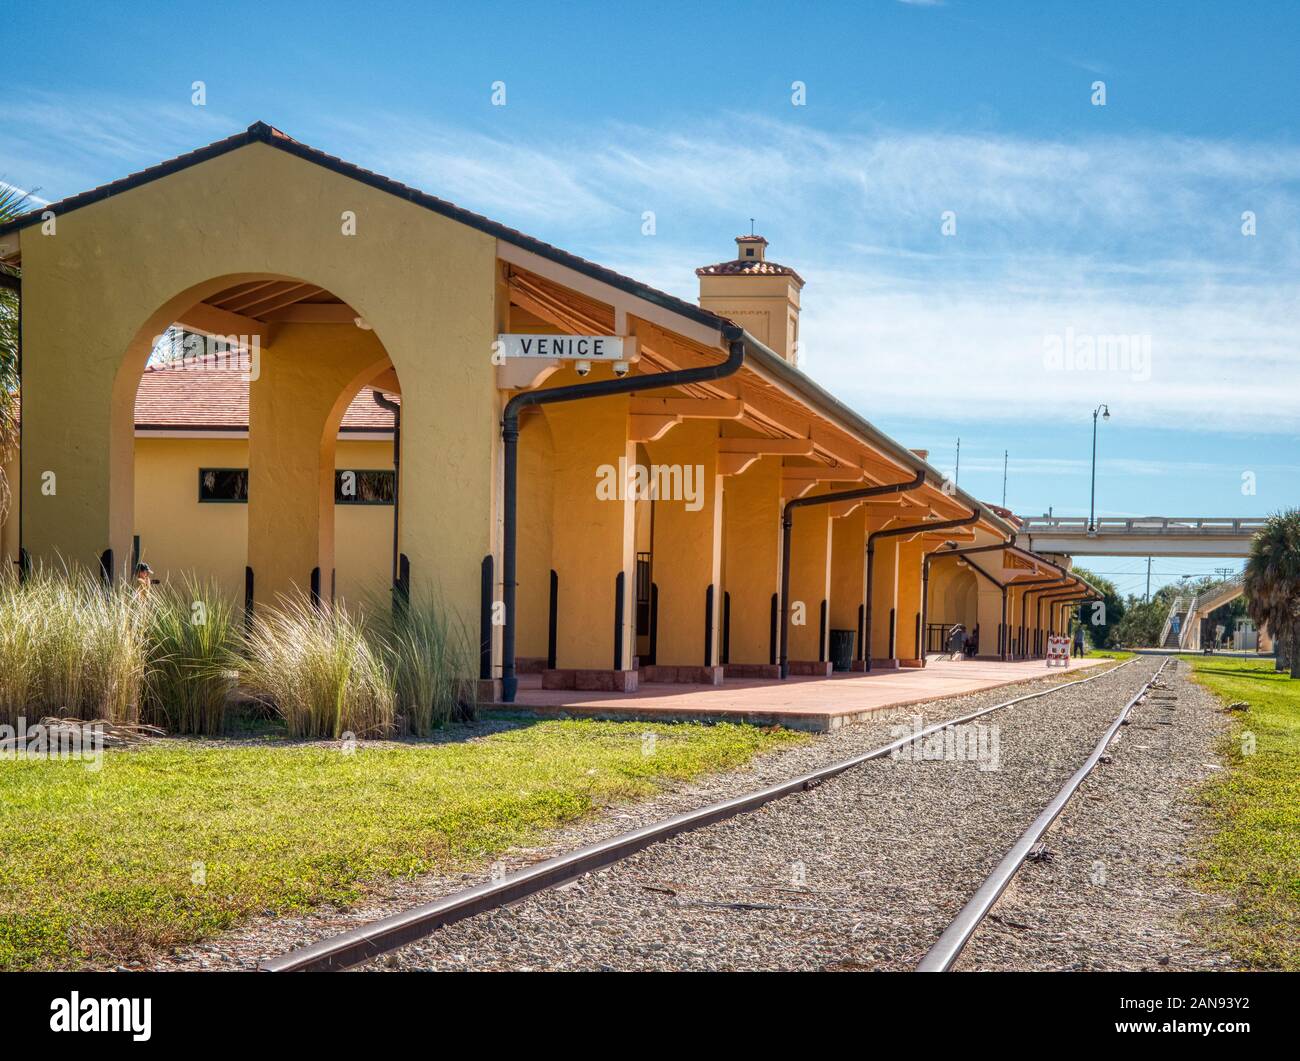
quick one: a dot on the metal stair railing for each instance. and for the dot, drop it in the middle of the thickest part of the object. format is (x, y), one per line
(1169, 621)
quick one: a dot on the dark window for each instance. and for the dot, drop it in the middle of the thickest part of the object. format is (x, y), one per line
(224, 485)
(749, 252)
(364, 487)
(351, 487)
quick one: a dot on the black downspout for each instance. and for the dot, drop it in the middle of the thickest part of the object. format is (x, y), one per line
(965, 554)
(484, 619)
(787, 532)
(726, 628)
(1051, 603)
(552, 618)
(1007, 545)
(619, 582)
(1002, 629)
(896, 532)
(1022, 629)
(510, 437)
(1024, 609)
(1068, 598)
(393, 407)
(708, 626)
(654, 625)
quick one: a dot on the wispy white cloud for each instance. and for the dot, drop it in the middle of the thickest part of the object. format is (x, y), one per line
(1132, 235)
(62, 144)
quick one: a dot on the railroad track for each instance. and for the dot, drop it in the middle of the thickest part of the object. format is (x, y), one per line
(949, 946)
(365, 942)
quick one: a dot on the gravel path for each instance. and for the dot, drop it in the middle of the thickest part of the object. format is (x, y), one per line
(1115, 895)
(264, 937)
(862, 872)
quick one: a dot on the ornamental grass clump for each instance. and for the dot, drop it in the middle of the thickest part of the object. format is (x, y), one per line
(193, 657)
(431, 660)
(317, 669)
(71, 646)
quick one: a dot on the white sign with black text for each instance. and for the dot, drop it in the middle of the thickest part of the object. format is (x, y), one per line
(568, 347)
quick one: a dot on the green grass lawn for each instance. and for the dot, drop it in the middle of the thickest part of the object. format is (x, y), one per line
(170, 843)
(1254, 854)
(1108, 653)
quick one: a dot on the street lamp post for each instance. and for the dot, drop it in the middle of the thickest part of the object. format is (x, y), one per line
(1104, 410)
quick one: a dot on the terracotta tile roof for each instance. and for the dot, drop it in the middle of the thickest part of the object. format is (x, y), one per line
(748, 267)
(203, 395)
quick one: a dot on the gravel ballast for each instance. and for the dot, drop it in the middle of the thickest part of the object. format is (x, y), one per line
(263, 937)
(1115, 894)
(862, 872)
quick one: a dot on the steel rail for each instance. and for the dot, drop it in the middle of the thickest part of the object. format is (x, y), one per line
(948, 947)
(367, 941)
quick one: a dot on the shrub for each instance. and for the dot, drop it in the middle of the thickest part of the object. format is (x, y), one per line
(192, 666)
(430, 658)
(317, 669)
(71, 646)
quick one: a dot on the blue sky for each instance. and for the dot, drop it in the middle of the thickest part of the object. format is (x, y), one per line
(1074, 222)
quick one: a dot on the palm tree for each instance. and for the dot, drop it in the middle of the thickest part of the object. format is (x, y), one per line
(1272, 585)
(12, 203)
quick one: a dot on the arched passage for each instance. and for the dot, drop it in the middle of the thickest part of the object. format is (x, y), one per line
(124, 266)
(237, 443)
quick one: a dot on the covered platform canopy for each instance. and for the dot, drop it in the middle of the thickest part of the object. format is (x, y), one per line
(333, 279)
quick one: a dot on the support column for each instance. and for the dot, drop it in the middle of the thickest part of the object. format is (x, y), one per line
(536, 518)
(989, 610)
(752, 567)
(810, 587)
(908, 647)
(295, 406)
(687, 490)
(884, 594)
(593, 544)
(849, 572)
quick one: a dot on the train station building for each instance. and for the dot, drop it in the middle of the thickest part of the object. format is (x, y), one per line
(611, 486)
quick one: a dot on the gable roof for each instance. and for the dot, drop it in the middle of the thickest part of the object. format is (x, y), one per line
(260, 132)
(802, 386)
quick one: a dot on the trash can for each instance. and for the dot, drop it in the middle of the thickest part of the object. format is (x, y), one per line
(842, 649)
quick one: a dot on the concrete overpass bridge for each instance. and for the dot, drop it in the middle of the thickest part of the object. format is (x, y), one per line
(1194, 536)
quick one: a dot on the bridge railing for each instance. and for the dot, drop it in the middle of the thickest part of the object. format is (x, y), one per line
(1145, 525)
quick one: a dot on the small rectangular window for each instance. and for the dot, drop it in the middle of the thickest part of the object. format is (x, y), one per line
(364, 487)
(223, 485)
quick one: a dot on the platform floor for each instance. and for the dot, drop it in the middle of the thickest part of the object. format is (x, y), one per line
(817, 704)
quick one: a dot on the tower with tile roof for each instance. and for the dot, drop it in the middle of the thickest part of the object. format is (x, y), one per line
(759, 295)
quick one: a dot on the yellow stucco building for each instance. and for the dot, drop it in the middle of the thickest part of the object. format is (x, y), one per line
(656, 492)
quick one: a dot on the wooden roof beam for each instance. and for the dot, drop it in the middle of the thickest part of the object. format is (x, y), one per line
(209, 320)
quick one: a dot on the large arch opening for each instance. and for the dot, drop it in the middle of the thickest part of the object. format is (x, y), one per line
(260, 458)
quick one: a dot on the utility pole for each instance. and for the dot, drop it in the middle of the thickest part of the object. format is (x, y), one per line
(1148, 580)
(956, 475)
(1004, 478)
